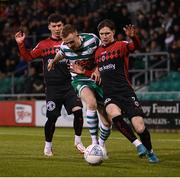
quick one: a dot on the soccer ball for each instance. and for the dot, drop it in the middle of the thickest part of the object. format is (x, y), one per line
(94, 154)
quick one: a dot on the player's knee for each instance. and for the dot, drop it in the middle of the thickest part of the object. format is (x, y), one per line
(113, 111)
(92, 105)
(140, 129)
(106, 123)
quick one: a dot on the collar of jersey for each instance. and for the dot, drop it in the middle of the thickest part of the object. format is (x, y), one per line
(55, 39)
(105, 46)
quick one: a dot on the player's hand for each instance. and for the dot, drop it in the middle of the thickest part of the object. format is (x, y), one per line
(96, 76)
(20, 36)
(76, 68)
(50, 65)
(130, 30)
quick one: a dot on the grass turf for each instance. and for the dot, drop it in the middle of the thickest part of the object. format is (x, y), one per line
(21, 154)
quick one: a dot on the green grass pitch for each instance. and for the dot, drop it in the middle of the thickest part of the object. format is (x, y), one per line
(21, 154)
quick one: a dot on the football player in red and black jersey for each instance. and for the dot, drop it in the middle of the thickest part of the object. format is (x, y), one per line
(119, 97)
(59, 90)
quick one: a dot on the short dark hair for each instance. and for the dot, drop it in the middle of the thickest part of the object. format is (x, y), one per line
(106, 23)
(55, 17)
(67, 29)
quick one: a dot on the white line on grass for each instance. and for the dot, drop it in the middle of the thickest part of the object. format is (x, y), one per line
(70, 136)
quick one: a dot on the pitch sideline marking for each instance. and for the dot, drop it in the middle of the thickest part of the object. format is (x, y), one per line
(69, 136)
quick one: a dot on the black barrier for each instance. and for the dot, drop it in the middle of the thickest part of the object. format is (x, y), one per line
(161, 114)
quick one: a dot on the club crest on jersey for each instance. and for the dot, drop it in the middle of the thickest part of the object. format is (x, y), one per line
(56, 50)
(103, 58)
(90, 50)
(50, 105)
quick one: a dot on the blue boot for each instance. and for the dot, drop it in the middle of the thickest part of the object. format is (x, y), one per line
(152, 157)
(141, 150)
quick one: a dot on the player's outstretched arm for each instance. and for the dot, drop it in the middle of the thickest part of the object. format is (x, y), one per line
(53, 62)
(20, 37)
(27, 55)
(77, 69)
(96, 76)
(130, 31)
(94, 73)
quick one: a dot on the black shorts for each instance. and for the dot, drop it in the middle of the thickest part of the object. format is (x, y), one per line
(129, 105)
(55, 100)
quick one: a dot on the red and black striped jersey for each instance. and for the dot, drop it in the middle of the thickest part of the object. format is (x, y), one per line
(112, 61)
(46, 49)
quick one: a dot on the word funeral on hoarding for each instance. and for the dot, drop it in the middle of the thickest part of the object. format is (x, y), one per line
(162, 114)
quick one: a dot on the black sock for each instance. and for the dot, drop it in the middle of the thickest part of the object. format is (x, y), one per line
(124, 128)
(146, 139)
(49, 129)
(78, 122)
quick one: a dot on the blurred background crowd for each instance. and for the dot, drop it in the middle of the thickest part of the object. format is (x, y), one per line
(157, 22)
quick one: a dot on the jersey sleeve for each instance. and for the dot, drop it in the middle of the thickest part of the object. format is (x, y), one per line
(28, 55)
(134, 44)
(97, 40)
(61, 50)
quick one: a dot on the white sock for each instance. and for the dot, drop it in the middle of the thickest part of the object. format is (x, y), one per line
(77, 139)
(92, 121)
(48, 144)
(94, 139)
(136, 143)
(104, 134)
(101, 142)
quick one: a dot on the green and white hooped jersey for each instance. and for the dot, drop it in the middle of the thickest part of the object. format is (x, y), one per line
(84, 55)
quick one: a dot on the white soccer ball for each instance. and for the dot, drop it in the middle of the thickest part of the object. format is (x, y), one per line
(94, 154)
